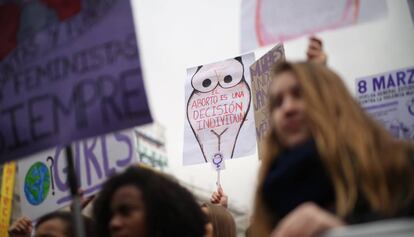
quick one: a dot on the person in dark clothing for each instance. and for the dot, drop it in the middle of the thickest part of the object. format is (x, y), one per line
(326, 163)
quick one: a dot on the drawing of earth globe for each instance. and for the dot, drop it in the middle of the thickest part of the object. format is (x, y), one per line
(37, 183)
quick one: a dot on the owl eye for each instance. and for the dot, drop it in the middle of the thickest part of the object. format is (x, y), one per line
(231, 74)
(228, 79)
(206, 83)
(204, 80)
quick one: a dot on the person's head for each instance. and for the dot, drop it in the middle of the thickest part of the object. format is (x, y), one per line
(140, 202)
(287, 109)
(308, 100)
(59, 224)
(220, 220)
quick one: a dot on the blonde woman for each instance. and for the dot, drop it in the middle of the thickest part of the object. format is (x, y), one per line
(326, 163)
(220, 221)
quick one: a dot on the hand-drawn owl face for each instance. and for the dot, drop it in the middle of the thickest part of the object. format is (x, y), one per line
(224, 74)
(217, 108)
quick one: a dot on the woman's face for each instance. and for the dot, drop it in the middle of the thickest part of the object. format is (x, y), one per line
(128, 217)
(288, 110)
(54, 227)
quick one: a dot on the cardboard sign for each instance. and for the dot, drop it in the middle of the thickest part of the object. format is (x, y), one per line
(271, 21)
(260, 74)
(219, 115)
(43, 177)
(71, 79)
(389, 98)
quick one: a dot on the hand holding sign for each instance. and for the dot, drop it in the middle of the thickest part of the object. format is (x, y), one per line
(315, 51)
(219, 197)
(21, 228)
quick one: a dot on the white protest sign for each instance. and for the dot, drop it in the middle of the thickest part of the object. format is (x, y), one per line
(270, 21)
(389, 98)
(43, 177)
(219, 113)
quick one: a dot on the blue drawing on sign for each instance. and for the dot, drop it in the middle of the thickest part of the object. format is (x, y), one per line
(37, 183)
(410, 106)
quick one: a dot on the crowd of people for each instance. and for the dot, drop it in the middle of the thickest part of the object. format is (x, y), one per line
(325, 164)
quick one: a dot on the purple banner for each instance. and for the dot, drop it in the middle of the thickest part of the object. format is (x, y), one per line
(389, 98)
(70, 78)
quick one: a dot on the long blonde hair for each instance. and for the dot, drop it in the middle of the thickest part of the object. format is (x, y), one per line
(221, 219)
(361, 157)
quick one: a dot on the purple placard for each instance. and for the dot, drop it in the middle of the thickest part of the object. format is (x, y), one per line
(71, 79)
(389, 98)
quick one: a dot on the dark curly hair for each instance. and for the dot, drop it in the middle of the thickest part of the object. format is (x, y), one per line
(66, 218)
(171, 210)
